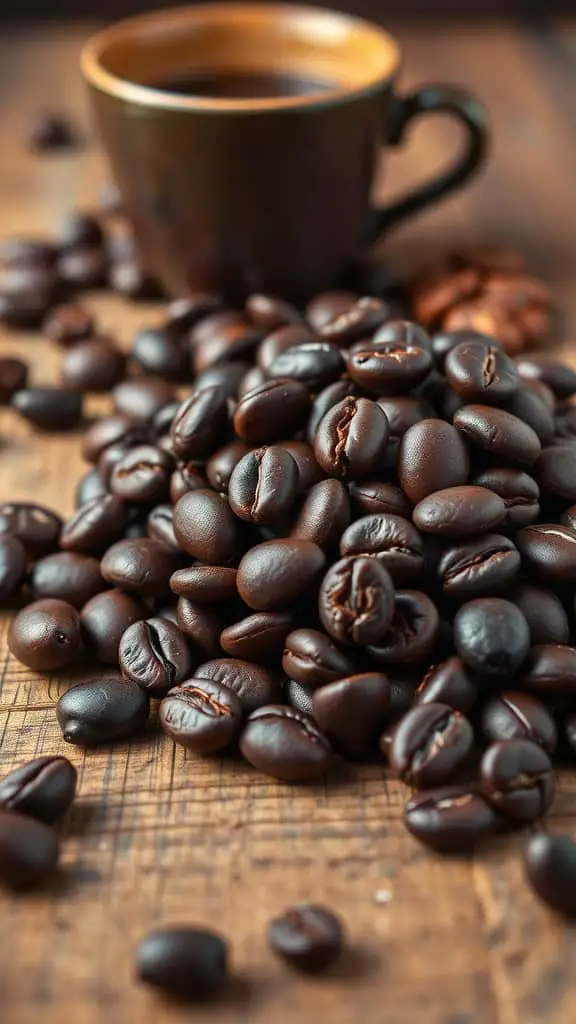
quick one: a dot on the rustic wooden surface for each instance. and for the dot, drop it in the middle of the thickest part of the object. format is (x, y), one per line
(157, 836)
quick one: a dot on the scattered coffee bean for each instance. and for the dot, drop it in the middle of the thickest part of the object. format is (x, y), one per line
(199, 424)
(154, 654)
(142, 475)
(311, 658)
(451, 819)
(388, 367)
(391, 539)
(43, 789)
(352, 438)
(263, 485)
(544, 613)
(95, 365)
(206, 528)
(499, 433)
(29, 851)
(513, 715)
(140, 565)
(314, 363)
(95, 525)
(448, 683)
(12, 566)
(207, 584)
(269, 312)
(357, 601)
(203, 625)
(252, 683)
(308, 937)
(432, 457)
(548, 551)
(202, 715)
(491, 636)
(105, 619)
(431, 745)
(276, 574)
(285, 743)
(412, 633)
(184, 963)
(352, 711)
(555, 472)
(550, 867)
(519, 492)
(259, 637)
(67, 576)
(479, 567)
(480, 371)
(46, 635)
(140, 400)
(102, 712)
(49, 408)
(68, 324)
(222, 463)
(518, 780)
(377, 498)
(459, 511)
(37, 528)
(90, 486)
(549, 669)
(271, 411)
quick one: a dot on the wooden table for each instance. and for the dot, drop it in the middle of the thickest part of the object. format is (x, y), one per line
(158, 836)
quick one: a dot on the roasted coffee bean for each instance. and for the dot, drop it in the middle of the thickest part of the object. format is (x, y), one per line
(253, 378)
(105, 619)
(513, 715)
(403, 332)
(557, 376)
(459, 511)
(202, 715)
(357, 600)
(388, 367)
(499, 433)
(432, 457)
(160, 527)
(324, 514)
(555, 472)
(221, 337)
(102, 712)
(258, 637)
(142, 565)
(163, 421)
(519, 492)
(445, 342)
(479, 567)
(110, 457)
(95, 525)
(308, 937)
(311, 658)
(207, 529)
(394, 541)
(342, 317)
(285, 743)
(271, 411)
(12, 566)
(85, 267)
(142, 475)
(448, 683)
(377, 498)
(13, 377)
(226, 376)
(480, 371)
(309, 472)
(29, 851)
(207, 584)
(187, 477)
(352, 711)
(531, 408)
(550, 868)
(269, 312)
(352, 439)
(403, 412)
(202, 625)
(544, 613)
(314, 363)
(185, 963)
(491, 636)
(67, 576)
(263, 485)
(518, 780)
(182, 314)
(67, 324)
(95, 365)
(548, 551)
(26, 294)
(282, 338)
(276, 574)
(110, 431)
(49, 408)
(90, 486)
(129, 278)
(252, 683)
(412, 633)
(140, 400)
(46, 635)
(43, 789)
(326, 400)
(451, 819)
(199, 424)
(550, 669)
(154, 654)
(220, 466)
(431, 745)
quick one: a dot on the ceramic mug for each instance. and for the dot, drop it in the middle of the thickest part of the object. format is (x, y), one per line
(247, 193)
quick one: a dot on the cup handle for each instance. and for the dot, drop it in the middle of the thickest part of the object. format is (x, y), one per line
(432, 99)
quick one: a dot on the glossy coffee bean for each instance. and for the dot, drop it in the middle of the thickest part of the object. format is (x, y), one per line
(448, 683)
(548, 552)
(109, 431)
(316, 364)
(388, 367)
(46, 635)
(206, 584)
(28, 851)
(142, 475)
(202, 624)
(356, 601)
(518, 780)
(253, 684)
(253, 378)
(186, 477)
(154, 654)
(459, 511)
(555, 472)
(432, 457)
(259, 637)
(480, 371)
(499, 433)
(221, 337)
(95, 525)
(550, 669)
(159, 352)
(403, 332)
(263, 485)
(311, 658)
(140, 400)
(13, 377)
(513, 715)
(271, 411)
(309, 472)
(342, 317)
(558, 376)
(544, 613)
(160, 527)
(202, 715)
(550, 868)
(206, 528)
(519, 492)
(49, 408)
(199, 424)
(140, 565)
(482, 566)
(43, 789)
(270, 312)
(95, 365)
(412, 633)
(451, 819)
(403, 412)
(90, 486)
(284, 743)
(279, 340)
(394, 541)
(491, 636)
(67, 576)
(221, 464)
(377, 498)
(326, 400)
(307, 937)
(68, 324)
(105, 619)
(352, 439)
(431, 746)
(182, 314)
(532, 409)
(185, 963)
(12, 566)
(352, 711)
(85, 267)
(228, 376)
(324, 514)
(274, 575)
(445, 341)
(104, 711)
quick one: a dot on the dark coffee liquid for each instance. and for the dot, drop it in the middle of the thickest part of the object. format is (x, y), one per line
(242, 85)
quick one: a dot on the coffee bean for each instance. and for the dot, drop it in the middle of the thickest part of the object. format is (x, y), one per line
(221, 465)
(403, 332)
(253, 378)
(29, 851)
(49, 408)
(90, 486)
(140, 400)
(129, 278)
(450, 820)
(43, 789)
(208, 584)
(377, 498)
(342, 317)
(558, 376)
(274, 575)
(269, 312)
(160, 527)
(555, 472)
(324, 515)
(142, 475)
(111, 431)
(185, 963)
(432, 457)
(352, 439)
(550, 868)
(67, 324)
(85, 267)
(314, 363)
(206, 528)
(95, 525)
(309, 472)
(548, 552)
(46, 635)
(105, 619)
(515, 715)
(448, 683)
(182, 314)
(403, 412)
(308, 937)
(253, 684)
(13, 377)
(77, 229)
(480, 371)
(229, 376)
(154, 654)
(12, 566)
(221, 337)
(187, 477)
(259, 637)
(102, 712)
(284, 743)
(202, 715)
(431, 745)
(388, 367)
(95, 365)
(356, 601)
(67, 576)
(271, 411)
(142, 565)
(518, 780)
(459, 511)
(203, 625)
(352, 711)
(27, 292)
(326, 400)
(499, 433)
(311, 658)
(445, 342)
(263, 485)
(491, 636)
(412, 633)
(531, 408)
(394, 541)
(282, 338)
(550, 669)
(199, 424)
(519, 492)
(479, 567)
(544, 613)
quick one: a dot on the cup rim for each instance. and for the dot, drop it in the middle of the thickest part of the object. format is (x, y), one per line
(132, 92)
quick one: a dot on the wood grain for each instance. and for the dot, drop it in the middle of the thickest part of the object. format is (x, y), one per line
(159, 836)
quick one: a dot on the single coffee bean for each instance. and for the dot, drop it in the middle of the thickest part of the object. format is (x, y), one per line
(550, 868)
(459, 511)
(352, 712)
(228, 376)
(252, 379)
(480, 371)
(388, 367)
(392, 540)
(548, 552)
(105, 619)
(431, 745)
(352, 439)
(12, 566)
(432, 457)
(206, 584)
(95, 365)
(273, 576)
(326, 400)
(518, 779)
(128, 277)
(513, 715)
(221, 465)
(46, 635)
(357, 601)
(90, 486)
(199, 424)
(519, 492)
(140, 400)
(491, 636)
(479, 567)
(271, 411)
(550, 669)
(95, 526)
(263, 485)
(316, 364)
(160, 352)
(154, 654)
(221, 337)
(448, 683)
(142, 565)
(102, 712)
(142, 475)
(445, 341)
(285, 744)
(110, 458)
(202, 624)
(308, 937)
(343, 317)
(110, 431)
(67, 576)
(182, 314)
(186, 963)
(43, 789)
(377, 498)
(206, 528)
(558, 376)
(253, 684)
(403, 412)
(309, 472)
(160, 527)
(202, 715)
(324, 515)
(499, 433)
(282, 338)
(13, 377)
(544, 613)
(29, 851)
(412, 633)
(187, 477)
(69, 323)
(259, 637)
(312, 659)
(49, 408)
(85, 267)
(269, 312)
(532, 409)
(451, 819)
(555, 472)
